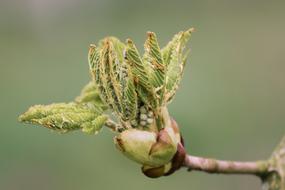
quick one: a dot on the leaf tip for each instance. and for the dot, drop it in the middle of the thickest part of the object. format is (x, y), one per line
(29, 115)
(190, 30)
(21, 118)
(150, 34)
(129, 41)
(92, 46)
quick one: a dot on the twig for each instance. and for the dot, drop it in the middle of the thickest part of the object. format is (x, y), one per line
(209, 165)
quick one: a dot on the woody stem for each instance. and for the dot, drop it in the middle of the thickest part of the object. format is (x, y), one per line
(210, 165)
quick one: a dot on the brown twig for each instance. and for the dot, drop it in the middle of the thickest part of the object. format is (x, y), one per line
(225, 167)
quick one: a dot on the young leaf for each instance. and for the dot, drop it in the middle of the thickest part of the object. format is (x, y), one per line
(130, 100)
(64, 117)
(94, 65)
(154, 58)
(122, 80)
(95, 126)
(175, 60)
(140, 71)
(114, 78)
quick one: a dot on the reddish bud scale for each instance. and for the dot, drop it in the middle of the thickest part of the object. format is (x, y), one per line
(175, 163)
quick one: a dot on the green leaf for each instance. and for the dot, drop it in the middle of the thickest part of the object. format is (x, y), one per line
(175, 59)
(130, 101)
(112, 61)
(122, 80)
(153, 57)
(114, 78)
(140, 71)
(64, 117)
(94, 64)
(95, 126)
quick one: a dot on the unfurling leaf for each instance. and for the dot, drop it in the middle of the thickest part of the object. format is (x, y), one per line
(140, 71)
(153, 57)
(94, 63)
(65, 117)
(95, 126)
(126, 81)
(175, 59)
(114, 77)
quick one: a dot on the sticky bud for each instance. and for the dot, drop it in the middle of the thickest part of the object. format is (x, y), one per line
(159, 153)
(147, 147)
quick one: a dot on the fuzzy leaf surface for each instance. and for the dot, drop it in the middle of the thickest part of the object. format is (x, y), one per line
(65, 117)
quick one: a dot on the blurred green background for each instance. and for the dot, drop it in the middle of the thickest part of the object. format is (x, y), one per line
(230, 104)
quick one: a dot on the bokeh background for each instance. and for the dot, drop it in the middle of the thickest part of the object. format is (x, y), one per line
(230, 105)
